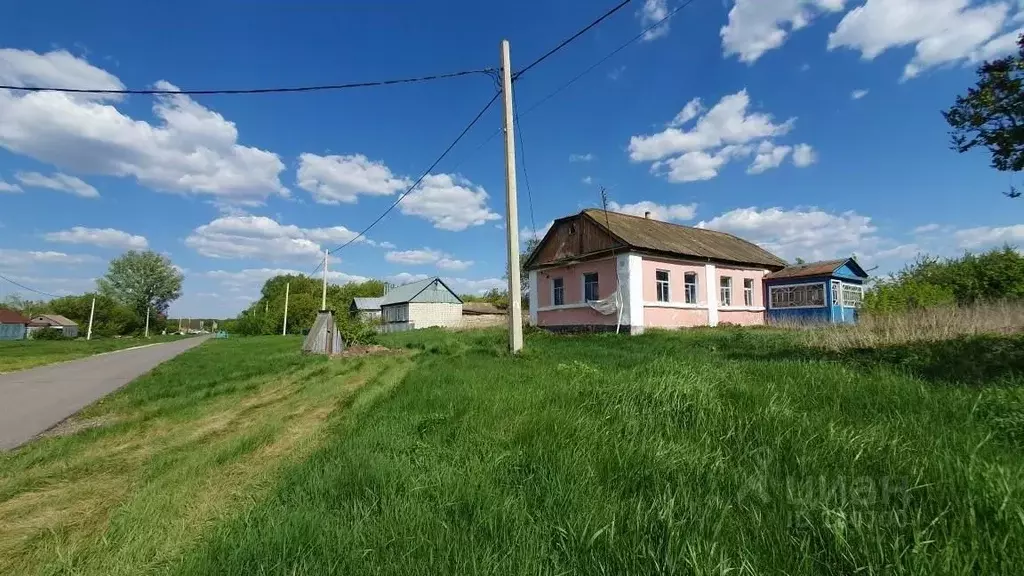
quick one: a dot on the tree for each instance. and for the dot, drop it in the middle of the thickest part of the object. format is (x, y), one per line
(991, 115)
(110, 319)
(524, 275)
(142, 280)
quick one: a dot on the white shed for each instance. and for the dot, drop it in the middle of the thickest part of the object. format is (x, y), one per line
(421, 304)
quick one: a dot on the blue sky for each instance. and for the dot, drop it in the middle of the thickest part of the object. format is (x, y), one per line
(812, 127)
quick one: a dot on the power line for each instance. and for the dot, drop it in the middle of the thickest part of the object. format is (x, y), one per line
(522, 157)
(424, 175)
(570, 39)
(27, 288)
(675, 11)
(278, 90)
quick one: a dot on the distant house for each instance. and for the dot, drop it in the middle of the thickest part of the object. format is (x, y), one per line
(822, 292)
(367, 309)
(13, 326)
(56, 322)
(600, 270)
(480, 314)
(421, 304)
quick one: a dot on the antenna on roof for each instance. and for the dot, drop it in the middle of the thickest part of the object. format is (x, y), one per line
(604, 206)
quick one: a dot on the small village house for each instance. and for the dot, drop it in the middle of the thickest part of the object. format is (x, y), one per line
(13, 326)
(600, 270)
(819, 292)
(366, 309)
(422, 304)
(67, 327)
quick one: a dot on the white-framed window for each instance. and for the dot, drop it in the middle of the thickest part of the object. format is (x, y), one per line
(661, 277)
(852, 295)
(725, 291)
(590, 285)
(399, 313)
(837, 293)
(748, 292)
(797, 296)
(690, 287)
(557, 291)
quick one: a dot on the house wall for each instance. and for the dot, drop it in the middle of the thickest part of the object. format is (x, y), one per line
(658, 317)
(12, 331)
(574, 311)
(427, 314)
(818, 315)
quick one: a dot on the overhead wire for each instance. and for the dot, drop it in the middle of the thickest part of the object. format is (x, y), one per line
(19, 285)
(522, 157)
(235, 91)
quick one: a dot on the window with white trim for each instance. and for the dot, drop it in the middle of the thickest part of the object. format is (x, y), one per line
(852, 295)
(798, 296)
(590, 291)
(399, 313)
(661, 278)
(690, 287)
(725, 291)
(748, 292)
(557, 292)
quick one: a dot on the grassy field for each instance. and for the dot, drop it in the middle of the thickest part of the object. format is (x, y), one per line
(704, 452)
(22, 354)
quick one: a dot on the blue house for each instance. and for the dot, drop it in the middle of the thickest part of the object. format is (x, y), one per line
(819, 292)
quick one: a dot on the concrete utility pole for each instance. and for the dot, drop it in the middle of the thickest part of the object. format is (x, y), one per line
(323, 299)
(92, 311)
(287, 289)
(147, 322)
(515, 296)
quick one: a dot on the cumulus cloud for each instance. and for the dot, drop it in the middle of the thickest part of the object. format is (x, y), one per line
(59, 181)
(941, 31)
(528, 233)
(768, 156)
(102, 237)
(858, 94)
(757, 26)
(990, 236)
(263, 238)
(334, 179)
(652, 12)
(449, 202)
(10, 258)
(804, 155)
(8, 187)
(427, 256)
(189, 149)
(665, 213)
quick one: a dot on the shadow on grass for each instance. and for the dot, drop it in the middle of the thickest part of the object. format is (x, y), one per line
(987, 360)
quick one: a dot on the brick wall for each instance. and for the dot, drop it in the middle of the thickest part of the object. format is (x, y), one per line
(427, 314)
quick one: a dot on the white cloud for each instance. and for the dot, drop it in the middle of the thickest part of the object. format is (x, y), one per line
(7, 187)
(102, 237)
(927, 228)
(725, 132)
(453, 264)
(757, 26)
(587, 180)
(263, 238)
(804, 155)
(858, 94)
(527, 233)
(58, 181)
(191, 149)
(768, 156)
(334, 179)
(406, 278)
(387, 245)
(941, 31)
(449, 202)
(675, 212)
(652, 12)
(424, 256)
(989, 237)
(811, 234)
(10, 258)
(581, 157)
(255, 277)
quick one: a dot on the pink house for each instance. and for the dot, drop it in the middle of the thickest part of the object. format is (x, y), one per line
(600, 270)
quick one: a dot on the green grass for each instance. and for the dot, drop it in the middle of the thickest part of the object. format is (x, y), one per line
(22, 354)
(702, 452)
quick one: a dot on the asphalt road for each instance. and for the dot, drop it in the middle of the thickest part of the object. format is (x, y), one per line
(33, 401)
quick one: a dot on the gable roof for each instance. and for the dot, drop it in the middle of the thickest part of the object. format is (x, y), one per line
(823, 268)
(406, 292)
(367, 304)
(656, 236)
(54, 319)
(12, 317)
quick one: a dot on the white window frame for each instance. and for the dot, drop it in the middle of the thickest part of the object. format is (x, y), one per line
(583, 283)
(554, 289)
(666, 284)
(696, 288)
(725, 291)
(748, 292)
(771, 301)
(852, 288)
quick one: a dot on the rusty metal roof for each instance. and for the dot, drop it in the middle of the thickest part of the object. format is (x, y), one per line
(824, 268)
(12, 317)
(648, 234)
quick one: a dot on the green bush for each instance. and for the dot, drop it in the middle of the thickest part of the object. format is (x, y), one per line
(49, 334)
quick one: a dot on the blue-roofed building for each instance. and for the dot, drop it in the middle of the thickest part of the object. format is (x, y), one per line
(818, 292)
(422, 304)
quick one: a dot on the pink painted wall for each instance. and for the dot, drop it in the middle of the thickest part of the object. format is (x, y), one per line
(676, 272)
(740, 317)
(655, 317)
(738, 275)
(573, 277)
(575, 317)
